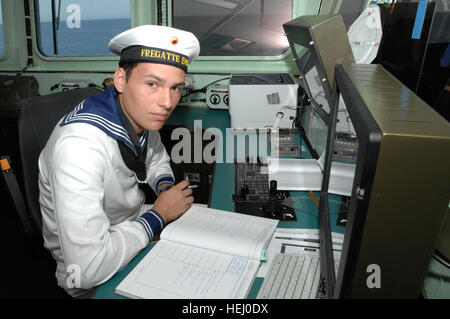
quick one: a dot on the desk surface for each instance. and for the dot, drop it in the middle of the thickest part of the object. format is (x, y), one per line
(221, 197)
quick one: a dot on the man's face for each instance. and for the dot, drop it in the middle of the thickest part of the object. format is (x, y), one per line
(150, 94)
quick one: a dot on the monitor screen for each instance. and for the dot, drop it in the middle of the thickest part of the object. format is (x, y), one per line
(318, 43)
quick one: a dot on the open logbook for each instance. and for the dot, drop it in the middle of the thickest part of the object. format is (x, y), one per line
(206, 253)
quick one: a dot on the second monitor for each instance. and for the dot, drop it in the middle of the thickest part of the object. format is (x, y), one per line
(318, 44)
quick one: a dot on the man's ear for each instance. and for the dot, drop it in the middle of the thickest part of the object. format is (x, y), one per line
(120, 78)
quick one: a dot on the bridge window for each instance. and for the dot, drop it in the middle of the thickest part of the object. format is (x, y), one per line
(235, 27)
(2, 39)
(80, 27)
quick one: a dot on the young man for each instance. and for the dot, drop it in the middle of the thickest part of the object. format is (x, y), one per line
(93, 212)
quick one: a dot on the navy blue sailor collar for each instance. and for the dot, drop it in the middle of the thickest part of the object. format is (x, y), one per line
(102, 111)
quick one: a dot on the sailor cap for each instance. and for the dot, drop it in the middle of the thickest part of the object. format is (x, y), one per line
(156, 44)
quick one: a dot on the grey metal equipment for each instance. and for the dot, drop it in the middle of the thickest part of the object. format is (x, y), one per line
(400, 190)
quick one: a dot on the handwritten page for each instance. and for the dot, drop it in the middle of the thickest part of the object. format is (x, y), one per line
(206, 253)
(232, 233)
(172, 270)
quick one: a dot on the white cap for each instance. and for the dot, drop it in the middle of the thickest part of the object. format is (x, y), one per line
(156, 44)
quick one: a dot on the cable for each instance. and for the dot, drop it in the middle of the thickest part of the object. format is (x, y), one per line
(308, 197)
(280, 114)
(203, 89)
(316, 201)
(441, 259)
(278, 117)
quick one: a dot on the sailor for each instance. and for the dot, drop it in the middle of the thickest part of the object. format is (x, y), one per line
(94, 215)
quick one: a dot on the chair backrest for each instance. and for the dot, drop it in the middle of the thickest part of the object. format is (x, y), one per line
(37, 118)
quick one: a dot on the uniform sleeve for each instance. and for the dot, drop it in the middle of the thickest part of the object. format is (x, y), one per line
(86, 237)
(158, 163)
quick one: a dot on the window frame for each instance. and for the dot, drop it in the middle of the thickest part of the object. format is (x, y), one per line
(3, 23)
(14, 37)
(246, 58)
(139, 16)
(103, 63)
(277, 63)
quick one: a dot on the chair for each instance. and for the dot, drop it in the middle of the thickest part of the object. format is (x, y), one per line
(36, 119)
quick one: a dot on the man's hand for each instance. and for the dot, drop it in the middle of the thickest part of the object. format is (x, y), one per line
(174, 202)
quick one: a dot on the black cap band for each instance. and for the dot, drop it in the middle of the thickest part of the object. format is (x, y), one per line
(136, 54)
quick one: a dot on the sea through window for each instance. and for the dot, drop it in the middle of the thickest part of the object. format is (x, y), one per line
(80, 27)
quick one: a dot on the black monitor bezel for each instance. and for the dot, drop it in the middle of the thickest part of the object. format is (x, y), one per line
(369, 137)
(304, 65)
(304, 38)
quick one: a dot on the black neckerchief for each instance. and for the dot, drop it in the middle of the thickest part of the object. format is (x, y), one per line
(134, 159)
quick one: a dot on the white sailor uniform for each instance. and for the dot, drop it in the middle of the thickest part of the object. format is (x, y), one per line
(93, 213)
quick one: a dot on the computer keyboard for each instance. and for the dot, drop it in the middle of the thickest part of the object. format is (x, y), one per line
(291, 276)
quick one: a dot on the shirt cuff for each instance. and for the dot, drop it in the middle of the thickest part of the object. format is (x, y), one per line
(163, 179)
(153, 223)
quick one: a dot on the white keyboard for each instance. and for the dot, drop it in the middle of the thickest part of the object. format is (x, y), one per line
(291, 276)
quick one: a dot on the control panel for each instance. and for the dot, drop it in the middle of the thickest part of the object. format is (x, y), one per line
(345, 147)
(284, 144)
(217, 96)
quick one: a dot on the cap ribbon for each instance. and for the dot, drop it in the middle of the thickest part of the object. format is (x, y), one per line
(136, 54)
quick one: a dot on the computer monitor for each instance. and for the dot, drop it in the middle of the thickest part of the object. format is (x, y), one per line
(348, 9)
(400, 189)
(318, 43)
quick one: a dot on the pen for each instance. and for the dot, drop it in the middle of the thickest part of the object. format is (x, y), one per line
(191, 186)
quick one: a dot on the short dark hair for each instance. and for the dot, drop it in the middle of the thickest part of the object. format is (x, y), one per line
(128, 67)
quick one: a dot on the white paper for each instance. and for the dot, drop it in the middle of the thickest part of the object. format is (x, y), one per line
(232, 233)
(206, 253)
(172, 270)
(298, 241)
(295, 174)
(306, 175)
